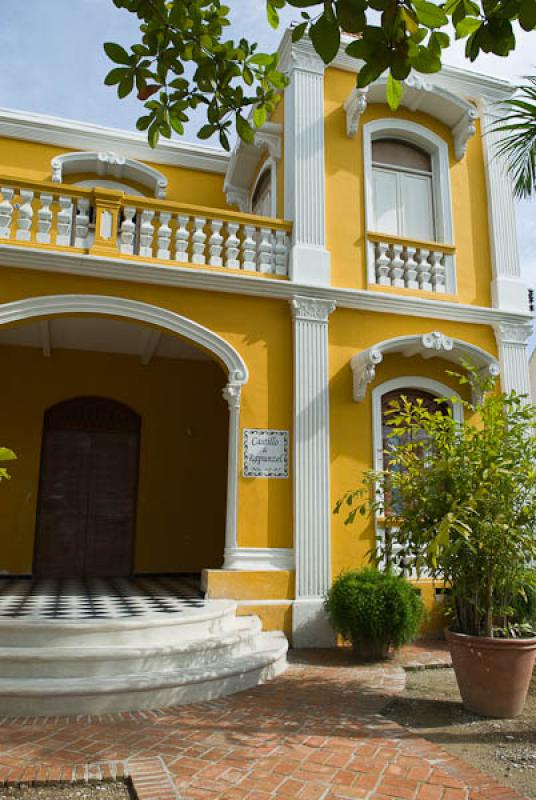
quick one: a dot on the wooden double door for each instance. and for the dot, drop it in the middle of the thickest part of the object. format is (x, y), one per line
(86, 518)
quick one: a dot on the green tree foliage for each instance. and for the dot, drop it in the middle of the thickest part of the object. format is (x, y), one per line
(230, 79)
(459, 498)
(518, 143)
(6, 455)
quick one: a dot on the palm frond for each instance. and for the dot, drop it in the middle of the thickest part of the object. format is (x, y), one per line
(518, 144)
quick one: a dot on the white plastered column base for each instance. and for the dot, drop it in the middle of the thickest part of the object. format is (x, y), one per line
(310, 624)
(510, 294)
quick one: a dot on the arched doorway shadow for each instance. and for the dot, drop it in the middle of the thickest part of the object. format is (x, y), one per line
(86, 511)
(122, 308)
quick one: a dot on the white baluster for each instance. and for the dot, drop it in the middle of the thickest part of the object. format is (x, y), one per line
(424, 270)
(44, 218)
(410, 267)
(146, 233)
(64, 222)
(438, 272)
(164, 235)
(232, 246)
(199, 238)
(25, 217)
(249, 249)
(6, 212)
(266, 251)
(397, 266)
(383, 262)
(281, 253)
(182, 236)
(215, 243)
(81, 222)
(127, 231)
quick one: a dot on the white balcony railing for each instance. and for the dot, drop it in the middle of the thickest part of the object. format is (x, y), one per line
(105, 222)
(408, 264)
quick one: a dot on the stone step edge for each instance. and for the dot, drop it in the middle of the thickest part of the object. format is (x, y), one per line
(245, 626)
(273, 646)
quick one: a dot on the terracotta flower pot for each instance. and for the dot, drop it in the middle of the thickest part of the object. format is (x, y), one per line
(493, 674)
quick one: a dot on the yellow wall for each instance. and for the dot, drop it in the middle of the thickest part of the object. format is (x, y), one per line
(31, 161)
(260, 329)
(183, 429)
(345, 211)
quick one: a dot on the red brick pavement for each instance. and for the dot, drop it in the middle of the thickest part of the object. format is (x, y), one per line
(312, 734)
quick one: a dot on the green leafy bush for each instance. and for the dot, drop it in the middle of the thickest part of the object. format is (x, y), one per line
(374, 610)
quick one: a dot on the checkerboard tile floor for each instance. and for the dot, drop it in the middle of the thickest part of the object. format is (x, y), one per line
(97, 598)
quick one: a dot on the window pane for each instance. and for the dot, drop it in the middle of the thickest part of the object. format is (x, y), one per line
(386, 206)
(417, 206)
(400, 154)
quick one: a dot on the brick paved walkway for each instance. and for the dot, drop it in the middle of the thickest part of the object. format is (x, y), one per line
(312, 734)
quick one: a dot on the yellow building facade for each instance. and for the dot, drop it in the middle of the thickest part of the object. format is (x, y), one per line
(196, 346)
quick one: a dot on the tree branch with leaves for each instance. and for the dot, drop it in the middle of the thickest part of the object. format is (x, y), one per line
(183, 60)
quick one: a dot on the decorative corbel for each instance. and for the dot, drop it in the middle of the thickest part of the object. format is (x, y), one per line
(270, 141)
(237, 196)
(462, 132)
(355, 106)
(364, 371)
(437, 341)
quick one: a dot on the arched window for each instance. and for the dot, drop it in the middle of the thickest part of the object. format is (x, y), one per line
(403, 202)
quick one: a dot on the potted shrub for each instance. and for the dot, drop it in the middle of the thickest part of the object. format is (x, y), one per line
(459, 499)
(374, 611)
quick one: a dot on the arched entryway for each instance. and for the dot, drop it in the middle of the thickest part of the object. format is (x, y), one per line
(86, 512)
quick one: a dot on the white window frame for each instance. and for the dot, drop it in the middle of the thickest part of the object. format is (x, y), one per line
(269, 164)
(412, 133)
(413, 382)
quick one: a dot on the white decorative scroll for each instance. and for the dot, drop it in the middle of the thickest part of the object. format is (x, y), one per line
(355, 105)
(264, 453)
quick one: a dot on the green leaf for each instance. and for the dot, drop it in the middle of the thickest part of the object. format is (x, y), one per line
(116, 53)
(207, 131)
(7, 455)
(298, 32)
(430, 15)
(467, 26)
(244, 130)
(259, 116)
(272, 15)
(115, 76)
(326, 37)
(126, 85)
(393, 92)
(527, 15)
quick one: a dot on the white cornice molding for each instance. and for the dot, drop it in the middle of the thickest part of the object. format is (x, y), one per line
(299, 55)
(426, 345)
(111, 165)
(419, 94)
(244, 161)
(85, 136)
(120, 269)
(464, 82)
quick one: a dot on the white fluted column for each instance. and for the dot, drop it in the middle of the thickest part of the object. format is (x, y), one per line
(312, 505)
(232, 393)
(304, 161)
(509, 291)
(512, 341)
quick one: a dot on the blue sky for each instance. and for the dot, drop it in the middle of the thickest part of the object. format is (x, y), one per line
(52, 62)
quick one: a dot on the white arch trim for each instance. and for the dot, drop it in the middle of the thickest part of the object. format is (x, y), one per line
(406, 382)
(110, 165)
(426, 345)
(53, 305)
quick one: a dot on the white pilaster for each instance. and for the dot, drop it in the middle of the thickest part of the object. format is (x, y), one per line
(232, 394)
(304, 162)
(513, 356)
(312, 507)
(509, 292)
